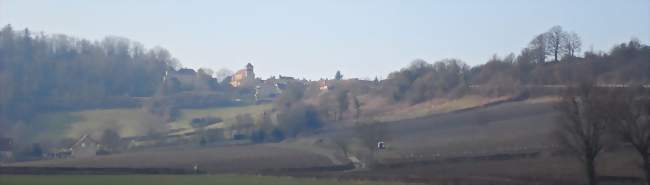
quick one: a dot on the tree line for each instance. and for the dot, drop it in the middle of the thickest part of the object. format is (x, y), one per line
(551, 58)
(53, 72)
(45, 72)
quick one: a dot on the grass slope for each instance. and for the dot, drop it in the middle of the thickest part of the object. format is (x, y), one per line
(59, 125)
(434, 106)
(228, 114)
(129, 122)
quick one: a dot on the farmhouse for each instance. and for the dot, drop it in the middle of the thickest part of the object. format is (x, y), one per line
(243, 76)
(84, 147)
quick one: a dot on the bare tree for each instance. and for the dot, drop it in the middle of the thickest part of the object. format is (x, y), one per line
(582, 125)
(357, 107)
(555, 42)
(206, 72)
(329, 105)
(630, 115)
(572, 44)
(342, 102)
(221, 74)
(537, 48)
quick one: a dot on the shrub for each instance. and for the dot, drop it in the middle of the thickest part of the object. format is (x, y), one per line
(204, 121)
(299, 118)
(258, 136)
(213, 135)
(277, 135)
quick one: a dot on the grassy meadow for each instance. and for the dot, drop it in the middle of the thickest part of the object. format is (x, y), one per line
(228, 114)
(127, 121)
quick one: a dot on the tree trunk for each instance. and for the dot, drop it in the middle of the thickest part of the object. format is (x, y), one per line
(591, 171)
(646, 166)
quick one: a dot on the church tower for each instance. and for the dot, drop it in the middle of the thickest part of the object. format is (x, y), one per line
(250, 74)
(243, 76)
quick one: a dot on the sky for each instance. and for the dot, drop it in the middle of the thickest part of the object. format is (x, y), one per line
(314, 39)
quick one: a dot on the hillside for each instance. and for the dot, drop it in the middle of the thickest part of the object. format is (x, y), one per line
(129, 122)
(520, 130)
(522, 118)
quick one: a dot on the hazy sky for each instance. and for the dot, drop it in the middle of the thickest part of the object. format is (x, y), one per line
(313, 39)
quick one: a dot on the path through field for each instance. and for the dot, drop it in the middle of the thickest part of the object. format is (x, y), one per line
(315, 146)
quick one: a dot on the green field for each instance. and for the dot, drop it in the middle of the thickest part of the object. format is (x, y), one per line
(127, 121)
(169, 180)
(228, 114)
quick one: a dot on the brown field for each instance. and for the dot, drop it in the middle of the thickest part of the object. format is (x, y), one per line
(231, 159)
(510, 127)
(478, 146)
(456, 148)
(615, 168)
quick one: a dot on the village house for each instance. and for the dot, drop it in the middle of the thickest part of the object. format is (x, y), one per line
(266, 92)
(84, 147)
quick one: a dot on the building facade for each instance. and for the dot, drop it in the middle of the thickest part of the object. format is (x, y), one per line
(84, 147)
(243, 76)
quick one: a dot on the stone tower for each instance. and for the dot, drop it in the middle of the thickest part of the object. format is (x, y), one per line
(250, 74)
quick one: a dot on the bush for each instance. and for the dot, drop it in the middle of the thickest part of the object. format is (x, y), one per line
(204, 121)
(239, 137)
(110, 139)
(203, 141)
(299, 118)
(422, 81)
(258, 136)
(37, 150)
(102, 151)
(214, 135)
(277, 135)
(244, 121)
